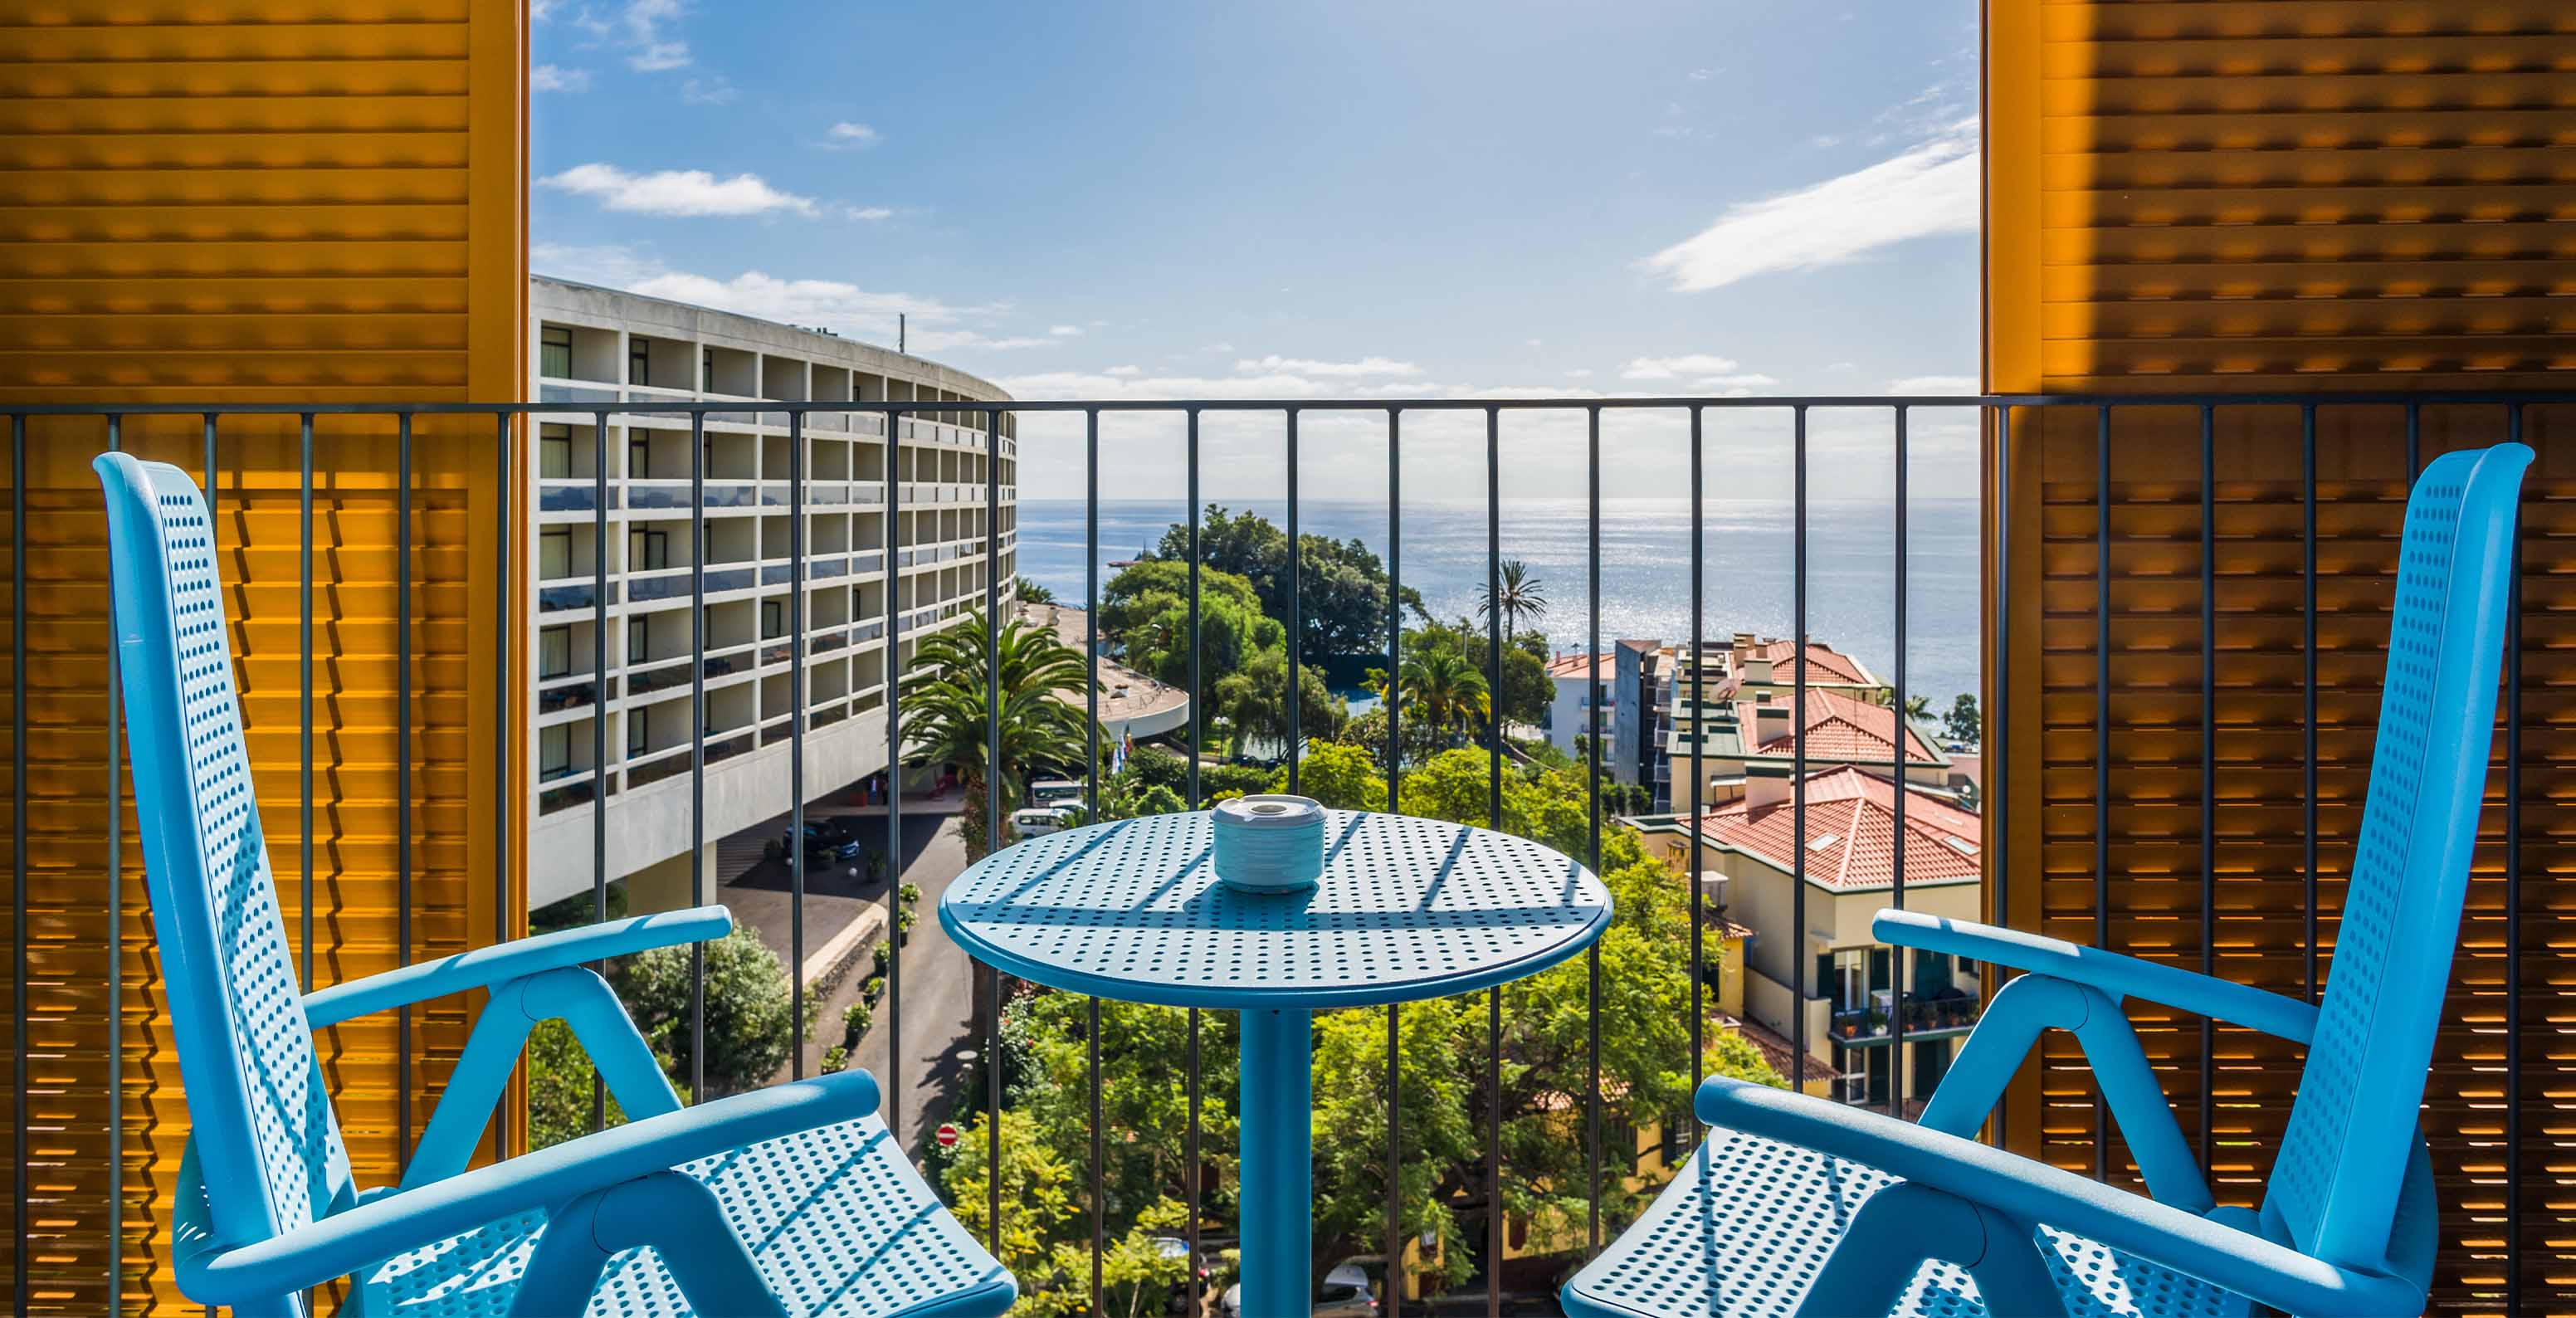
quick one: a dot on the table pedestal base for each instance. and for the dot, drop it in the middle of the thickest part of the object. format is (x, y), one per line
(1278, 1179)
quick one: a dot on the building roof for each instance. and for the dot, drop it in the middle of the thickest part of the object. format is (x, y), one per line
(1851, 833)
(1824, 662)
(1776, 1050)
(1840, 727)
(1571, 667)
(1126, 696)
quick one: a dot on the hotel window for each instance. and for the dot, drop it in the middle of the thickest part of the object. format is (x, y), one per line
(638, 640)
(648, 551)
(773, 619)
(639, 457)
(639, 730)
(554, 352)
(554, 652)
(554, 751)
(706, 370)
(554, 554)
(639, 361)
(554, 451)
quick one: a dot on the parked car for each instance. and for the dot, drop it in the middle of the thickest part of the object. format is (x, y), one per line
(829, 843)
(1055, 791)
(1345, 1293)
(1194, 1276)
(1039, 820)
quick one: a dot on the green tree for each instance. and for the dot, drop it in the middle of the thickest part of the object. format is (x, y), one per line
(946, 712)
(1518, 595)
(1146, 609)
(1255, 700)
(1342, 776)
(1963, 723)
(748, 1006)
(1341, 584)
(1918, 709)
(1444, 690)
(1030, 592)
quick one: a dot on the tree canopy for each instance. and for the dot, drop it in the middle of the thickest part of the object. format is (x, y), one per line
(1341, 584)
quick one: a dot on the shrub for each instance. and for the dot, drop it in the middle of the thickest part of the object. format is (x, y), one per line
(872, 988)
(884, 952)
(835, 1059)
(855, 1021)
(908, 893)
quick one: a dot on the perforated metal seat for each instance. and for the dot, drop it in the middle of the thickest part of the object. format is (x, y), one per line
(788, 1200)
(837, 1221)
(1798, 1205)
(1749, 1222)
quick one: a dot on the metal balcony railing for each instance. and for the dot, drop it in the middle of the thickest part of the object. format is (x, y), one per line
(709, 746)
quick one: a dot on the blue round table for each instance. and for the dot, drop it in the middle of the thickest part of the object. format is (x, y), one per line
(1408, 909)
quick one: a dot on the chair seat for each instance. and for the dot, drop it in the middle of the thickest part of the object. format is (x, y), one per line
(836, 1219)
(1747, 1224)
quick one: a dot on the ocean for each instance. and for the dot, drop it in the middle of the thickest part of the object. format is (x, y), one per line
(1645, 567)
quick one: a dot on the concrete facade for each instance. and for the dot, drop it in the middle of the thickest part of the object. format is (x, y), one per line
(597, 347)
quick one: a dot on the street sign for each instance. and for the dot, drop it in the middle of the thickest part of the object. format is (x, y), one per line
(946, 1135)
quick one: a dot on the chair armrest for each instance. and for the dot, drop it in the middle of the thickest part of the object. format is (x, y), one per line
(2031, 1191)
(486, 966)
(408, 1219)
(2114, 974)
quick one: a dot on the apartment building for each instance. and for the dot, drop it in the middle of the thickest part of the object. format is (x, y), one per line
(612, 673)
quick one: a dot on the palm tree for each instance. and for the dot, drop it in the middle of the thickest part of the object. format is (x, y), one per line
(1443, 689)
(1918, 708)
(945, 707)
(1521, 596)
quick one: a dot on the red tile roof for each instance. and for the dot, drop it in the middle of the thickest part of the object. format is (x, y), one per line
(1851, 833)
(1572, 665)
(1824, 662)
(1775, 1049)
(1840, 727)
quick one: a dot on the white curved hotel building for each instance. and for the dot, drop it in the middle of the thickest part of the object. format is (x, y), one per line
(599, 347)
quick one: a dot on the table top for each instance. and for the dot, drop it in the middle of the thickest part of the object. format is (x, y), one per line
(1408, 909)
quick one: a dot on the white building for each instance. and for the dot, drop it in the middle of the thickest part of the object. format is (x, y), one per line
(1571, 675)
(600, 346)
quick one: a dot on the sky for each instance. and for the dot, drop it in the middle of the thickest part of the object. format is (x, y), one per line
(1312, 199)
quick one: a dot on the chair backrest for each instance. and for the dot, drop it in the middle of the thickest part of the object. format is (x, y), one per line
(2344, 1156)
(265, 1137)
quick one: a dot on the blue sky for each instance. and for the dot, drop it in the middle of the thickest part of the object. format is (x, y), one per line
(1305, 200)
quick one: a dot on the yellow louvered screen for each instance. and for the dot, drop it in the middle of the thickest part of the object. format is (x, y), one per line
(2283, 196)
(246, 201)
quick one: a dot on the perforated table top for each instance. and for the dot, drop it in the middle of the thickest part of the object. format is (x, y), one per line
(1408, 909)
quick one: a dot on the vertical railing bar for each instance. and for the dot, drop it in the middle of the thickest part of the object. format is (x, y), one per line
(2414, 441)
(304, 661)
(2101, 743)
(1798, 747)
(1393, 699)
(2513, 913)
(698, 752)
(504, 724)
(1091, 814)
(19, 1187)
(1296, 650)
(1190, 1166)
(1493, 820)
(402, 1062)
(1699, 774)
(598, 713)
(995, 823)
(116, 909)
(1592, 954)
(796, 742)
(893, 586)
(1901, 960)
(2208, 761)
(1993, 744)
(2308, 686)
(402, 766)
(1190, 1169)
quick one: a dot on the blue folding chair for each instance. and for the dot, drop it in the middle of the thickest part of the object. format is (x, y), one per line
(1798, 1205)
(791, 1200)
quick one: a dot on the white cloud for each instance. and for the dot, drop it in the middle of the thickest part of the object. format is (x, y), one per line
(1068, 331)
(871, 214)
(660, 56)
(1673, 368)
(1366, 366)
(677, 192)
(1123, 372)
(846, 135)
(553, 78)
(1928, 189)
(708, 91)
(1933, 384)
(1585, 373)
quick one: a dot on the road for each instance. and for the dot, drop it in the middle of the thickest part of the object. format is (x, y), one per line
(938, 984)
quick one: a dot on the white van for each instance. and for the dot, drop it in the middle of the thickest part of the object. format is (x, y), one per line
(1037, 821)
